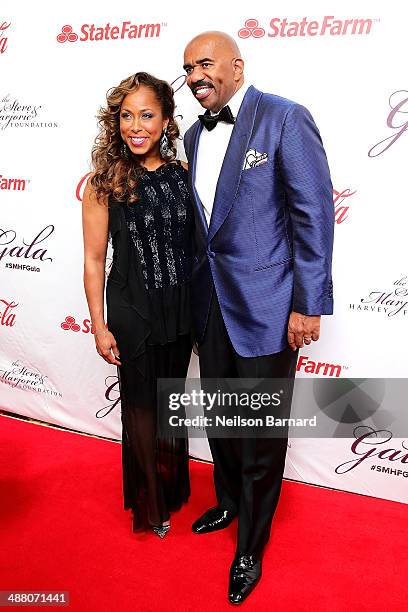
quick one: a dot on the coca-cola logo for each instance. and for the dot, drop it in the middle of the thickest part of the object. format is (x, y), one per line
(290, 28)
(342, 204)
(7, 313)
(340, 199)
(79, 191)
(370, 443)
(12, 184)
(112, 395)
(389, 302)
(3, 36)
(396, 121)
(22, 250)
(15, 114)
(90, 32)
(79, 194)
(70, 324)
(27, 378)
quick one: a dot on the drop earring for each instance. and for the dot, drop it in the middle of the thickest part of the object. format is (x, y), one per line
(124, 149)
(165, 145)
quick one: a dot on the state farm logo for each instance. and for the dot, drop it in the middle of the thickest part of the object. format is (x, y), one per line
(321, 368)
(67, 35)
(90, 32)
(70, 324)
(7, 314)
(3, 38)
(341, 204)
(325, 26)
(13, 184)
(251, 28)
(389, 302)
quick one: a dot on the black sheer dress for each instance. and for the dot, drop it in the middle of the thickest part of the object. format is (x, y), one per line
(148, 312)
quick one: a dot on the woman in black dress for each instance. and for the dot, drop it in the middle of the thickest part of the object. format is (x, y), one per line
(138, 195)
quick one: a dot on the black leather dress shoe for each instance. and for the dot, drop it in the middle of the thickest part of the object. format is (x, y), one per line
(213, 520)
(245, 573)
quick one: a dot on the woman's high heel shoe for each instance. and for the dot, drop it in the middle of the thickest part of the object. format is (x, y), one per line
(161, 530)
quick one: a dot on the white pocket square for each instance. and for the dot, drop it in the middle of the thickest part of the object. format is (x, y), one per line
(254, 158)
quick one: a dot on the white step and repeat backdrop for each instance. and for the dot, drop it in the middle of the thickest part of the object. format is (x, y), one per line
(345, 61)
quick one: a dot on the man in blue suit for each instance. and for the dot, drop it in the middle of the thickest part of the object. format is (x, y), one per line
(263, 200)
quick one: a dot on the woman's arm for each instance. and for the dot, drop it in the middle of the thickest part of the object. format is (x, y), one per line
(95, 218)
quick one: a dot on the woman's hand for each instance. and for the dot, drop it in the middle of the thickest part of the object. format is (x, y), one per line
(107, 347)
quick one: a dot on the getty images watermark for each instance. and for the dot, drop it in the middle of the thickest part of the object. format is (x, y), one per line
(224, 407)
(307, 408)
(220, 401)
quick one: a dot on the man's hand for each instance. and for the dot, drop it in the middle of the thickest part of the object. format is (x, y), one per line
(302, 328)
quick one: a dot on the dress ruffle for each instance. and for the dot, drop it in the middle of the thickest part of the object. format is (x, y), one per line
(136, 316)
(171, 315)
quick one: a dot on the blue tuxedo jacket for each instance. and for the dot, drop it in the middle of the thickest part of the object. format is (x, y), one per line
(268, 249)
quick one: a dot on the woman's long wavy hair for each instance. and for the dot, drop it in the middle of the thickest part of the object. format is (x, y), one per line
(116, 174)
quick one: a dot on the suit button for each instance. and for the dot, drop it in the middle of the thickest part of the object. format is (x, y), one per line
(211, 254)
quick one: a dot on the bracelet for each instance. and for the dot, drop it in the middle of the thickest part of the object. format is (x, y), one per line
(101, 331)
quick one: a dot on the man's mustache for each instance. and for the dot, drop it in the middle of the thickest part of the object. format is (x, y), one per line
(201, 84)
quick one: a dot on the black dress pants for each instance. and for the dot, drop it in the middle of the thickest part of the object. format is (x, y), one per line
(247, 471)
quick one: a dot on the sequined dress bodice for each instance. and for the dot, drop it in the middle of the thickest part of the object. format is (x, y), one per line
(160, 225)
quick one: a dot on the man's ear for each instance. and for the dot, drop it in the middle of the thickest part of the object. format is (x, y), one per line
(238, 68)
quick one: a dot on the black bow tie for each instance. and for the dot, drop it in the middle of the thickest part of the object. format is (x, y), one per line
(210, 121)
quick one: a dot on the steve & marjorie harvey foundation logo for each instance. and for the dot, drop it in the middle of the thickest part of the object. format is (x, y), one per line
(390, 302)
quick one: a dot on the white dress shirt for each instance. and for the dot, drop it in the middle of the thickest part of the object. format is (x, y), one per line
(211, 151)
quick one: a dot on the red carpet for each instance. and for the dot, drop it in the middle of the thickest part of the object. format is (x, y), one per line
(63, 528)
